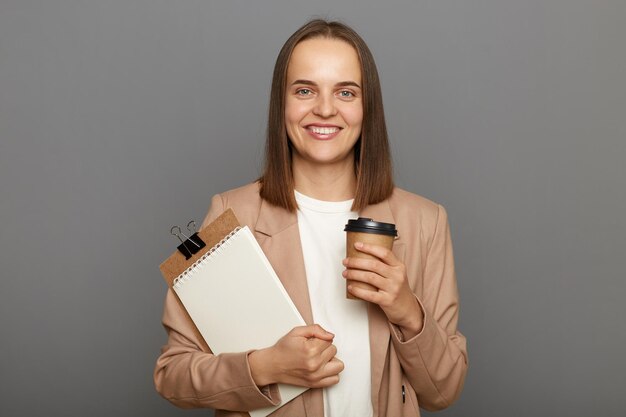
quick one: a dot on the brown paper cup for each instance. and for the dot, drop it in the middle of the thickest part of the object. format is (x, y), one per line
(375, 239)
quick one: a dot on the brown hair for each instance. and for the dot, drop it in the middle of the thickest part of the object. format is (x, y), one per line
(371, 152)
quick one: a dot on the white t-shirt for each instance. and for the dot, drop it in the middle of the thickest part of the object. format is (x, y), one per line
(323, 240)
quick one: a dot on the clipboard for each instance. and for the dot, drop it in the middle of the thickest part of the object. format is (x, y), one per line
(178, 262)
(232, 295)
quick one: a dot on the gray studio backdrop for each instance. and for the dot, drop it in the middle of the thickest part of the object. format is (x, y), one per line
(120, 118)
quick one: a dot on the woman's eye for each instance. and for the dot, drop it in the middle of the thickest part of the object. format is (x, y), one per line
(303, 92)
(346, 94)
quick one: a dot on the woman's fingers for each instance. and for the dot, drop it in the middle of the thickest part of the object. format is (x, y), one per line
(366, 294)
(366, 264)
(383, 277)
(332, 369)
(328, 354)
(327, 375)
(305, 356)
(312, 331)
(326, 382)
(381, 252)
(367, 277)
(387, 274)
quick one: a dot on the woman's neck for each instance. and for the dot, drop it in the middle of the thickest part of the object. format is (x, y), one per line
(332, 182)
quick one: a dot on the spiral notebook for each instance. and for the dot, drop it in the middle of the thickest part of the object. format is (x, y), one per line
(236, 300)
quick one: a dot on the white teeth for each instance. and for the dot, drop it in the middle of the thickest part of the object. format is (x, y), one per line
(324, 130)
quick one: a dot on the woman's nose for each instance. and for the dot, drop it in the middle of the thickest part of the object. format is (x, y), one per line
(325, 106)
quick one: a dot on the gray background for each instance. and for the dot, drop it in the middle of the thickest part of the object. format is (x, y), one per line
(120, 118)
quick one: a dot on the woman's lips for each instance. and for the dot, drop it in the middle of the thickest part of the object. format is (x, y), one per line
(323, 132)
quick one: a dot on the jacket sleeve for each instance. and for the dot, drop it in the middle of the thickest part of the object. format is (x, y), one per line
(435, 360)
(190, 377)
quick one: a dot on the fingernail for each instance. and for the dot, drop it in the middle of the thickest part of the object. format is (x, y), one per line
(345, 261)
(358, 245)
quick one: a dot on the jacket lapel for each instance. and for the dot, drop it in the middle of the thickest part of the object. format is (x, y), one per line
(378, 324)
(278, 234)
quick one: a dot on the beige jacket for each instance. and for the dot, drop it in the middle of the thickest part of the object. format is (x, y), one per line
(426, 371)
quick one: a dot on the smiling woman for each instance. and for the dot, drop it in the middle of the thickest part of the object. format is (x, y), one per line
(372, 157)
(396, 347)
(323, 114)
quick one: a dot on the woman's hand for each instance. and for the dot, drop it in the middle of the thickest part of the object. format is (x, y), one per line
(388, 275)
(305, 356)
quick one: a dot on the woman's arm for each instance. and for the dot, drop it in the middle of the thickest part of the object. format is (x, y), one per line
(431, 351)
(191, 377)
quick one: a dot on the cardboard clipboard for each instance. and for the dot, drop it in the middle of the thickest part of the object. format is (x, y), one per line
(176, 263)
(208, 285)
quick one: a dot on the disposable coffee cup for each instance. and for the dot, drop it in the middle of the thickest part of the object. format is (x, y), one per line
(367, 231)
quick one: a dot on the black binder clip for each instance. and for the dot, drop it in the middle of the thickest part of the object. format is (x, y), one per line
(192, 244)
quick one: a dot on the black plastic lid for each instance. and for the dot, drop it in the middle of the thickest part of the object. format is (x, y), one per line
(364, 225)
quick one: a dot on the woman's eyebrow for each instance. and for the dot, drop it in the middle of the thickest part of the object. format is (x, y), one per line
(339, 84)
(304, 82)
(348, 84)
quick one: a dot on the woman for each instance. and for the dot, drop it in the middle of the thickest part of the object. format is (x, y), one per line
(328, 160)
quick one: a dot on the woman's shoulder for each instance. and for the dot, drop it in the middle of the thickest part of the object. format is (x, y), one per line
(405, 200)
(245, 202)
(413, 209)
(245, 194)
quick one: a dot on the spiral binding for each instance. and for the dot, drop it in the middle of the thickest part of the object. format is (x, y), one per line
(188, 273)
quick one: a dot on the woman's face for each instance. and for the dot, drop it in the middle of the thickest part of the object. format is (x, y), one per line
(323, 106)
